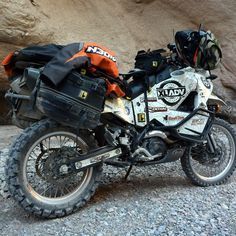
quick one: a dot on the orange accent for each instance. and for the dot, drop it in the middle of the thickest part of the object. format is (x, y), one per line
(114, 88)
(8, 71)
(97, 60)
(6, 64)
(7, 59)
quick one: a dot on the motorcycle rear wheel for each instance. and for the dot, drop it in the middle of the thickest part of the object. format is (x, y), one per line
(36, 176)
(204, 169)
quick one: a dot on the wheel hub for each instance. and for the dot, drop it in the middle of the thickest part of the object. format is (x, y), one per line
(56, 165)
(202, 154)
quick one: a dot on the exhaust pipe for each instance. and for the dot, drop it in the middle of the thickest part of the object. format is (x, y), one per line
(160, 134)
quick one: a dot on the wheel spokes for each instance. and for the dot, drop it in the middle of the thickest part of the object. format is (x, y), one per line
(43, 168)
(209, 165)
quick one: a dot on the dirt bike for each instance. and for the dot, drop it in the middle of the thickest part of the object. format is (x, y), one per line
(55, 165)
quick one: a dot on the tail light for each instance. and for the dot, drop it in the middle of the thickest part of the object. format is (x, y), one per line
(6, 63)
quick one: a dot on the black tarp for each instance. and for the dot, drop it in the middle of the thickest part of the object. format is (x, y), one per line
(38, 54)
(57, 68)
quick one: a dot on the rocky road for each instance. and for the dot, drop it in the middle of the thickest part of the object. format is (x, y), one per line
(153, 201)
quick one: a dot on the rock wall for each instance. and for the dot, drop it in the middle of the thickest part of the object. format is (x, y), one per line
(124, 26)
(22, 23)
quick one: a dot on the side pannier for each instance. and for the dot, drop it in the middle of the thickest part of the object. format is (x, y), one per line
(77, 101)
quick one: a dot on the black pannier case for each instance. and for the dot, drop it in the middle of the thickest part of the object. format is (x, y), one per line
(77, 102)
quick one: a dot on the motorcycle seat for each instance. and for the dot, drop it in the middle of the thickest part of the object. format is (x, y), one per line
(135, 73)
(139, 84)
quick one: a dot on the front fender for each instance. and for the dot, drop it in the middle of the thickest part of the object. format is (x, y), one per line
(215, 100)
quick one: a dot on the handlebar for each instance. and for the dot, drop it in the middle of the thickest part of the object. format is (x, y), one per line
(173, 58)
(171, 47)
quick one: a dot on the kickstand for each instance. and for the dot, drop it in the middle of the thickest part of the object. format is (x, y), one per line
(128, 172)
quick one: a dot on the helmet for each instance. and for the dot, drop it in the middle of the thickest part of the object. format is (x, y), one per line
(209, 53)
(199, 49)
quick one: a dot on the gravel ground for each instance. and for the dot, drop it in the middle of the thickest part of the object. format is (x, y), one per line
(154, 201)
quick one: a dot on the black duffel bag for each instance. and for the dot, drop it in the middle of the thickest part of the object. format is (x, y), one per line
(77, 101)
(151, 61)
(34, 56)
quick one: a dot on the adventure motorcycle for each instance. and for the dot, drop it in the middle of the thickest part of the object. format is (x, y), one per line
(23, 113)
(55, 165)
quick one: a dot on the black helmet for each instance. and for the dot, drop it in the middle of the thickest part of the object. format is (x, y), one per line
(199, 49)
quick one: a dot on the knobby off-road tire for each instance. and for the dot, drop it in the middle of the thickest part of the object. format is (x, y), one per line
(220, 178)
(20, 188)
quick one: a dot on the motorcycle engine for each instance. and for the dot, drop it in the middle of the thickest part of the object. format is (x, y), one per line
(155, 146)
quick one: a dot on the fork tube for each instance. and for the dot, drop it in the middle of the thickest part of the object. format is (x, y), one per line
(211, 142)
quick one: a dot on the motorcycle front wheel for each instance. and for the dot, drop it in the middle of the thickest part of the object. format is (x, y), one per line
(39, 176)
(204, 168)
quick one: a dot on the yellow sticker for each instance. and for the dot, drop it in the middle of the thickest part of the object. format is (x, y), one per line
(155, 64)
(83, 94)
(141, 117)
(83, 71)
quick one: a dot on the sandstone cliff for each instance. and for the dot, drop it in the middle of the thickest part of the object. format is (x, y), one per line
(22, 23)
(124, 26)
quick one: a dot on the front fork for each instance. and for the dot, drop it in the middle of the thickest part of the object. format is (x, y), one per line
(211, 142)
